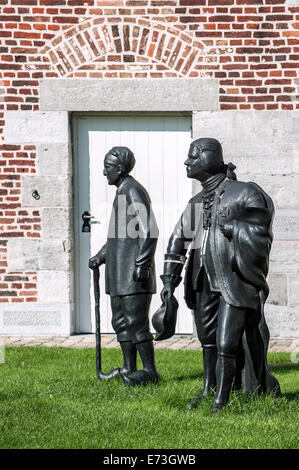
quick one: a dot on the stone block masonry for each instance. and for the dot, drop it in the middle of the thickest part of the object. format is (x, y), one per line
(264, 146)
(240, 57)
(24, 246)
(16, 222)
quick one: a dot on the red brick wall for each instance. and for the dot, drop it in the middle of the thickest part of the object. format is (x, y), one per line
(16, 160)
(251, 46)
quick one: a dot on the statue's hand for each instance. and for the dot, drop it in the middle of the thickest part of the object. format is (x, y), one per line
(95, 262)
(141, 273)
(227, 230)
(167, 292)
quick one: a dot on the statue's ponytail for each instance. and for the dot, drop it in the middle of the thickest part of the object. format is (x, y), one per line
(229, 171)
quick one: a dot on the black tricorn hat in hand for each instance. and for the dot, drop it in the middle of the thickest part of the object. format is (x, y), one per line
(164, 319)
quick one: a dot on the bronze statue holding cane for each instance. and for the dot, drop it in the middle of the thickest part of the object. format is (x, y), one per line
(130, 269)
(227, 228)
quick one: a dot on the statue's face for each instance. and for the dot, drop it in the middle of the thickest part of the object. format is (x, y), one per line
(196, 164)
(112, 169)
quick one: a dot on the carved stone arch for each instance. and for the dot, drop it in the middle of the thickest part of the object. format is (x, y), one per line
(95, 37)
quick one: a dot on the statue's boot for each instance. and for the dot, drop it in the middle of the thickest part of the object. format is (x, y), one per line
(129, 362)
(149, 373)
(240, 362)
(225, 373)
(209, 369)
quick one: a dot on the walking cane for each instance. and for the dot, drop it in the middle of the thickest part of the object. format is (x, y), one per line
(96, 289)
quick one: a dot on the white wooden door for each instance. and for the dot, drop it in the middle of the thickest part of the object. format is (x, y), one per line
(160, 145)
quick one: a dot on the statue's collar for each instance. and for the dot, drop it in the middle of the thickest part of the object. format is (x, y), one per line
(123, 184)
(213, 182)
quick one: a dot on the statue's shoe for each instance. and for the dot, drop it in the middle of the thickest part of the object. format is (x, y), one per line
(140, 377)
(217, 407)
(202, 395)
(113, 374)
(195, 402)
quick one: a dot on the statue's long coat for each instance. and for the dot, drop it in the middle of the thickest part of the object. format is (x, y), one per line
(240, 263)
(131, 241)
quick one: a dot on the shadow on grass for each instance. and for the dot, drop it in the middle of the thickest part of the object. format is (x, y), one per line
(243, 399)
(240, 403)
(291, 396)
(284, 366)
(182, 377)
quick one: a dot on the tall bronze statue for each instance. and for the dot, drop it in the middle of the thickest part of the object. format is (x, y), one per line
(227, 228)
(130, 268)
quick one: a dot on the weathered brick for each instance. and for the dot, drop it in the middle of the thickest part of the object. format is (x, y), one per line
(192, 19)
(24, 2)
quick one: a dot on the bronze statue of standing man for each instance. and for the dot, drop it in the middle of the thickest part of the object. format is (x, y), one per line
(228, 228)
(130, 268)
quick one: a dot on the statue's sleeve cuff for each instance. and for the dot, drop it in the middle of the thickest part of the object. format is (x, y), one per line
(174, 258)
(173, 264)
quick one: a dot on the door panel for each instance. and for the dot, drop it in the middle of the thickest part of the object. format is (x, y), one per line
(160, 145)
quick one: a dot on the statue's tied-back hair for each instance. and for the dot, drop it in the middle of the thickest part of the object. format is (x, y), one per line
(215, 154)
(208, 143)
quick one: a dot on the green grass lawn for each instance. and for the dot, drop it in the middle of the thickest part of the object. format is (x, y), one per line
(51, 398)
